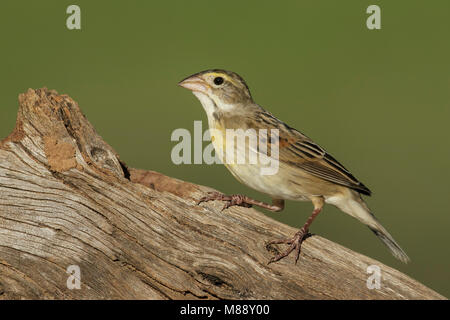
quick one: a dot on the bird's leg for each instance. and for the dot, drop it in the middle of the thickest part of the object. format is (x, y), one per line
(242, 201)
(295, 243)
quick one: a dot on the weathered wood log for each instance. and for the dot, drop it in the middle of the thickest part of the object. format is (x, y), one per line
(67, 199)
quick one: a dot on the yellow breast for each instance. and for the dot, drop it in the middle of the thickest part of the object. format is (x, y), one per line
(218, 138)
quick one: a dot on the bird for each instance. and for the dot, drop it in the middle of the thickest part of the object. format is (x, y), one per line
(306, 171)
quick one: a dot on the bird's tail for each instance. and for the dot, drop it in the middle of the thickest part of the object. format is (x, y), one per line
(357, 208)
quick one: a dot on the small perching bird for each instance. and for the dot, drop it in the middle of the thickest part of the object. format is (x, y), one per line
(306, 172)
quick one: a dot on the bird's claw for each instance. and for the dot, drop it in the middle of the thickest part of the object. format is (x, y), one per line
(233, 200)
(295, 243)
(209, 197)
(236, 200)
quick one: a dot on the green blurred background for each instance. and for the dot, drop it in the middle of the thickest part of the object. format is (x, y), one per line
(378, 100)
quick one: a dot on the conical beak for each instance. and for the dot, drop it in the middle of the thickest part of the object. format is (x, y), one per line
(194, 83)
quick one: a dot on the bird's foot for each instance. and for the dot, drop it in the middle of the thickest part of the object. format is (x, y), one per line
(295, 244)
(232, 200)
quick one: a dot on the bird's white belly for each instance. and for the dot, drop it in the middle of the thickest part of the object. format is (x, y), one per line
(276, 185)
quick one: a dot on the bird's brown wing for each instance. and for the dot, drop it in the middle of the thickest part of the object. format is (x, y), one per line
(298, 150)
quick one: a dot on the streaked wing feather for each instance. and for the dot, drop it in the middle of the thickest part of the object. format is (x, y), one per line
(310, 157)
(300, 151)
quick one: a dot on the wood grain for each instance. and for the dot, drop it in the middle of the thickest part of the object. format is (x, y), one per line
(66, 199)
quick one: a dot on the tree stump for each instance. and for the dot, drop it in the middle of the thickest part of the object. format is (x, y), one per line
(67, 199)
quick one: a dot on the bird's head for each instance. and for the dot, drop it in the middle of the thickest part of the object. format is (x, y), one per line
(218, 90)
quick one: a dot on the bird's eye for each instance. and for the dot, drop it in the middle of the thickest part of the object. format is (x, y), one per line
(218, 81)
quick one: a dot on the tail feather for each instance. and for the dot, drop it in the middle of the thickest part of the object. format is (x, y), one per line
(393, 246)
(355, 206)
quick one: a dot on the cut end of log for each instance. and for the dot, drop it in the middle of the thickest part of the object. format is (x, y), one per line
(57, 126)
